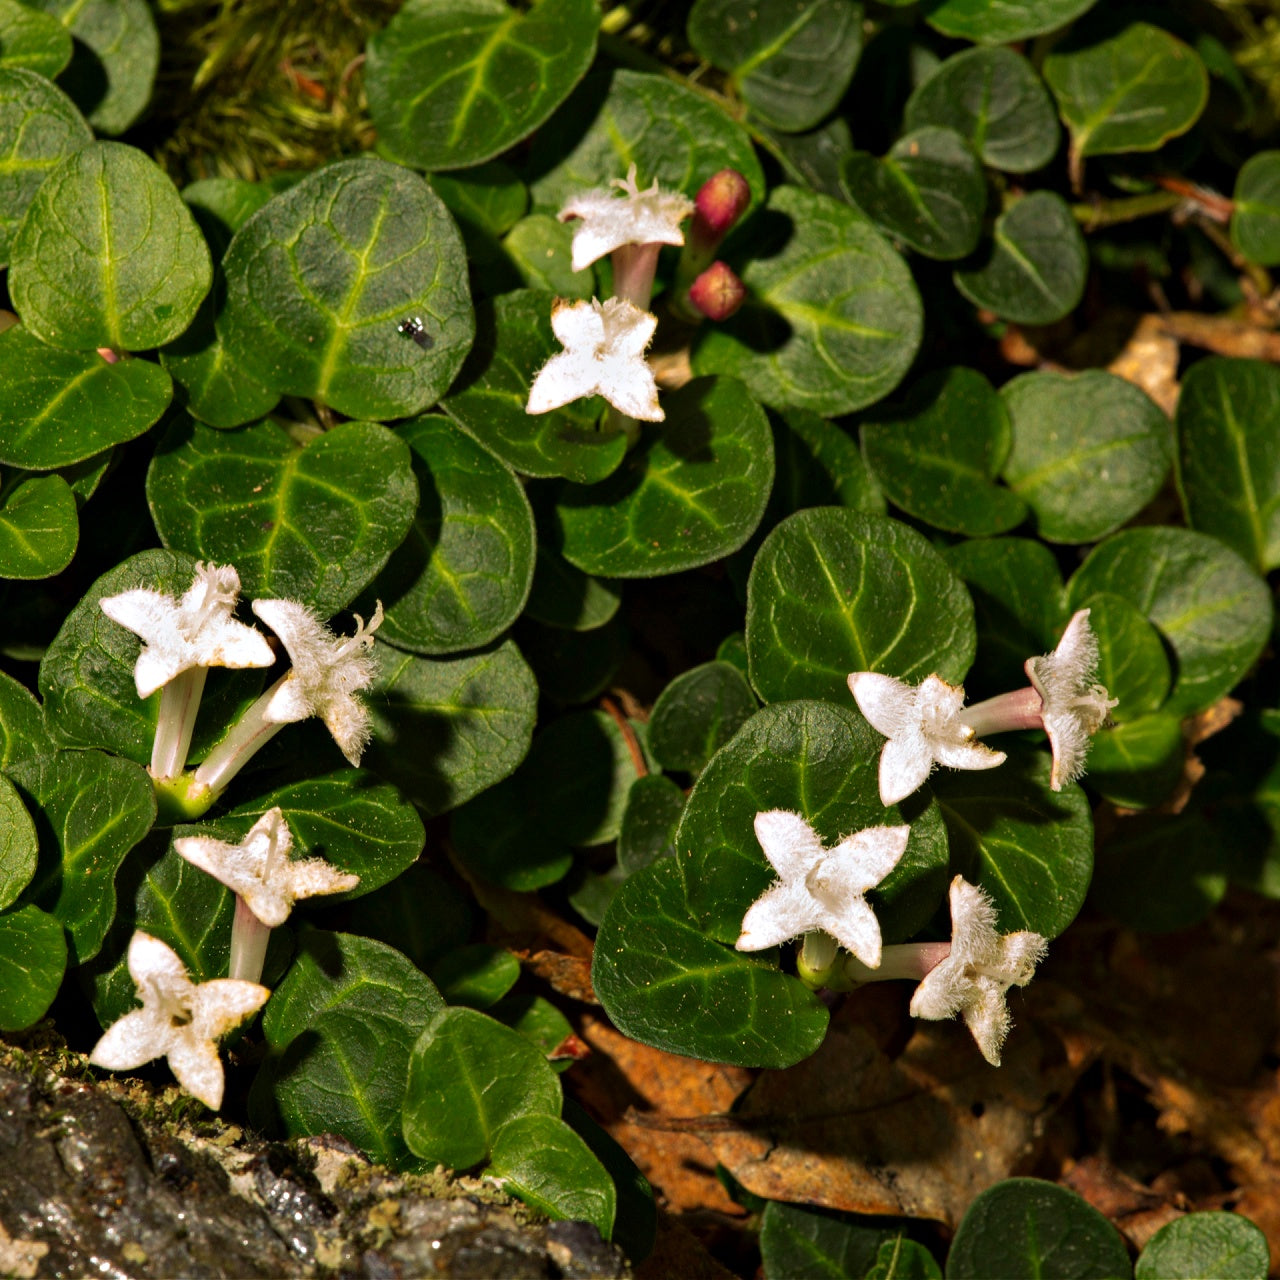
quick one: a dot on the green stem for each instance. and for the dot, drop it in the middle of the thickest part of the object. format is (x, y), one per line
(1092, 214)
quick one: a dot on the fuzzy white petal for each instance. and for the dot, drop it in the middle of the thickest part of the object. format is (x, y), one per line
(788, 841)
(609, 221)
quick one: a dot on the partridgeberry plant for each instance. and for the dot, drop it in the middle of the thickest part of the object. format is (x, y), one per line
(667, 514)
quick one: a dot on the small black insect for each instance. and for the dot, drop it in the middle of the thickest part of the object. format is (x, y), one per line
(412, 328)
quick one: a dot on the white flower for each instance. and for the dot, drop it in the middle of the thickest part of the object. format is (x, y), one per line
(603, 354)
(1075, 706)
(609, 221)
(196, 631)
(260, 870)
(179, 1020)
(821, 888)
(923, 727)
(982, 966)
(328, 671)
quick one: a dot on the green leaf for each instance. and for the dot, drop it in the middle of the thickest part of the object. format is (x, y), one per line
(572, 667)
(697, 713)
(469, 1076)
(539, 249)
(1228, 424)
(113, 65)
(1210, 607)
(39, 127)
(536, 1019)
(463, 574)
(223, 205)
(820, 761)
(1029, 847)
(541, 1160)
(450, 86)
(818, 465)
(444, 730)
(23, 735)
(834, 591)
(653, 965)
(1002, 21)
(649, 822)
(1138, 763)
(39, 528)
(1255, 216)
(320, 279)
(59, 407)
(476, 976)
(995, 101)
(420, 913)
(1205, 1246)
(790, 64)
(798, 1243)
(1131, 90)
(928, 192)
(1035, 267)
(18, 844)
(1023, 1226)
(489, 199)
(692, 491)
(312, 522)
(936, 455)
(513, 341)
(90, 809)
(33, 958)
(108, 255)
(1090, 450)
(32, 40)
(563, 596)
(816, 159)
(832, 319)
(1132, 662)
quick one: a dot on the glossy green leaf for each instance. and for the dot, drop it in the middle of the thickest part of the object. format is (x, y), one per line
(993, 99)
(539, 249)
(1023, 1226)
(320, 279)
(1132, 663)
(1210, 607)
(59, 407)
(536, 1019)
(419, 913)
(936, 455)
(816, 159)
(223, 205)
(113, 65)
(834, 591)
(39, 127)
(313, 521)
(513, 341)
(649, 822)
(23, 735)
(445, 729)
(818, 465)
(572, 667)
(1131, 90)
(1255, 216)
(32, 40)
(832, 318)
(469, 1076)
(90, 809)
(39, 528)
(541, 1160)
(477, 975)
(463, 574)
(929, 191)
(1138, 763)
(697, 713)
(1228, 424)
(1033, 271)
(820, 761)
(790, 63)
(563, 596)
(799, 1243)
(108, 255)
(692, 491)
(33, 958)
(665, 983)
(1090, 450)
(488, 198)
(1205, 1246)
(17, 844)
(451, 86)
(1029, 847)
(1003, 21)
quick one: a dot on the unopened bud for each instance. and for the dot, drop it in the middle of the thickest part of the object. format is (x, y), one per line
(717, 292)
(719, 205)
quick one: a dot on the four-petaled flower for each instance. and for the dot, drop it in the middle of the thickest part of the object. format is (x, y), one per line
(260, 870)
(980, 968)
(328, 671)
(923, 727)
(603, 354)
(179, 1020)
(821, 888)
(609, 221)
(196, 631)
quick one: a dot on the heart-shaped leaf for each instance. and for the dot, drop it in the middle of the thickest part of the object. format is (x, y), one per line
(313, 523)
(108, 255)
(832, 318)
(32, 40)
(834, 591)
(1003, 21)
(496, 74)
(33, 958)
(697, 713)
(1255, 217)
(321, 281)
(1213, 1246)
(39, 528)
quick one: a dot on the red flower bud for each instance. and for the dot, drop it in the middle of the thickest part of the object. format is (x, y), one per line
(717, 292)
